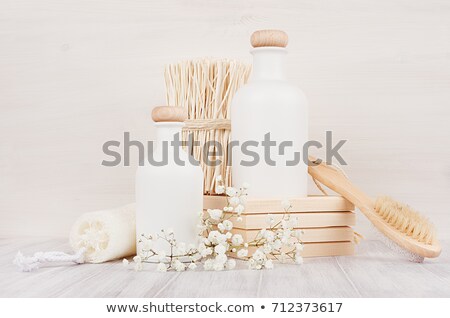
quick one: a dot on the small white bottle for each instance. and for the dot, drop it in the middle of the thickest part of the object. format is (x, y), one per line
(270, 104)
(168, 196)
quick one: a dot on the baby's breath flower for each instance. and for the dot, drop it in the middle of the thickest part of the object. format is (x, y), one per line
(231, 192)
(215, 214)
(286, 204)
(137, 259)
(161, 267)
(125, 262)
(239, 209)
(268, 264)
(245, 185)
(230, 264)
(220, 249)
(237, 239)
(219, 178)
(228, 225)
(221, 227)
(192, 266)
(270, 219)
(234, 201)
(138, 266)
(218, 266)
(242, 253)
(220, 189)
(298, 259)
(208, 265)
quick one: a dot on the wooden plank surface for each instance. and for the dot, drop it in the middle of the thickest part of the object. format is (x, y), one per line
(375, 271)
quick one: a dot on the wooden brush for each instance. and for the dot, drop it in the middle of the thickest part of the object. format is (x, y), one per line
(407, 231)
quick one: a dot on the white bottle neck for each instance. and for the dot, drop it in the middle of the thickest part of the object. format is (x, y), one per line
(268, 63)
(165, 133)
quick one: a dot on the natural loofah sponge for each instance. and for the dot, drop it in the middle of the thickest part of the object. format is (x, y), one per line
(105, 235)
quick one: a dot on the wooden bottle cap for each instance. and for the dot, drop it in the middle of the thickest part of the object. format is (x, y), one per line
(169, 114)
(262, 38)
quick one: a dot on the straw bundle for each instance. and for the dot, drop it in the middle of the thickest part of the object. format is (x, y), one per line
(205, 87)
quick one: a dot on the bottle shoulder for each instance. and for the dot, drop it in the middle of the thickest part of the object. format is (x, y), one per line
(269, 92)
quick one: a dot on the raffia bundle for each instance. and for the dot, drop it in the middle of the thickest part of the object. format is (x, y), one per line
(205, 87)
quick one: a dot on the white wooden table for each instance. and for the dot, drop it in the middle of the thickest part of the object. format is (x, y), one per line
(374, 272)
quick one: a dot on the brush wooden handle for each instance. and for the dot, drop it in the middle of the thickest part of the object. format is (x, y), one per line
(336, 181)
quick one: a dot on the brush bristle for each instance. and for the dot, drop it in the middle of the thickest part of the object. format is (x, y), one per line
(405, 220)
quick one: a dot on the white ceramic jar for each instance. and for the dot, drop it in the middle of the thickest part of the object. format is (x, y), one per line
(168, 196)
(270, 104)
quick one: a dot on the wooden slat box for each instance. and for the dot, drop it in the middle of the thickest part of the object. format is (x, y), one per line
(310, 235)
(314, 203)
(320, 249)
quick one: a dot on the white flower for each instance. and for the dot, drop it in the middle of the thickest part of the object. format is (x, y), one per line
(221, 227)
(239, 219)
(268, 264)
(215, 237)
(228, 225)
(277, 244)
(203, 250)
(299, 247)
(219, 178)
(237, 240)
(239, 209)
(220, 249)
(137, 259)
(228, 209)
(218, 266)
(220, 189)
(286, 205)
(245, 245)
(138, 266)
(243, 199)
(161, 267)
(208, 265)
(125, 262)
(259, 255)
(180, 248)
(231, 192)
(221, 258)
(242, 253)
(270, 219)
(245, 185)
(215, 214)
(269, 236)
(228, 235)
(179, 266)
(234, 201)
(230, 264)
(192, 266)
(147, 245)
(267, 248)
(298, 259)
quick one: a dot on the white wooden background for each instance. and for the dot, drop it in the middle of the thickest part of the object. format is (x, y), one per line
(74, 74)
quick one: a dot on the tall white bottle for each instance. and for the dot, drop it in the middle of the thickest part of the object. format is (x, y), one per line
(270, 104)
(168, 196)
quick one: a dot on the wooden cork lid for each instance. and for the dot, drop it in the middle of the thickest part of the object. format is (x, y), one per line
(266, 38)
(169, 114)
